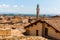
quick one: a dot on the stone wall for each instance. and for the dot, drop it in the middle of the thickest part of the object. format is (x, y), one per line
(25, 38)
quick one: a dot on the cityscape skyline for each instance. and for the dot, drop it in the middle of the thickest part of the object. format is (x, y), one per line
(29, 6)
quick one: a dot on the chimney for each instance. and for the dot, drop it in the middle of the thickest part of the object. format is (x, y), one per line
(44, 17)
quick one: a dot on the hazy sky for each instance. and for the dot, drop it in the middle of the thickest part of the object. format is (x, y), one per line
(29, 6)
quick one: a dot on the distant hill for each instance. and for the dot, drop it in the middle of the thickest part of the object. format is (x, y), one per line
(22, 14)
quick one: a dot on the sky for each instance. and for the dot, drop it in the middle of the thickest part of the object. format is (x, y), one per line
(29, 6)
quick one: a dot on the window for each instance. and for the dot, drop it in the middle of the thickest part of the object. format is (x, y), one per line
(0, 18)
(27, 33)
(13, 28)
(46, 31)
(8, 19)
(37, 33)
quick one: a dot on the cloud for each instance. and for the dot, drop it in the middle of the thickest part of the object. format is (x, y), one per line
(50, 10)
(9, 6)
(53, 10)
(0, 6)
(22, 6)
(15, 6)
(4, 6)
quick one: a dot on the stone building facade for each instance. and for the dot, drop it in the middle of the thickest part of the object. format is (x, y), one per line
(42, 28)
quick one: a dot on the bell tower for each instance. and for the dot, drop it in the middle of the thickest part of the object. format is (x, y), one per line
(37, 11)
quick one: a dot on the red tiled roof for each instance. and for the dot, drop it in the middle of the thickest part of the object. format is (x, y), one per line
(42, 22)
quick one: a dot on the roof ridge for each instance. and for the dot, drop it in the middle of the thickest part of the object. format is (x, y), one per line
(42, 22)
